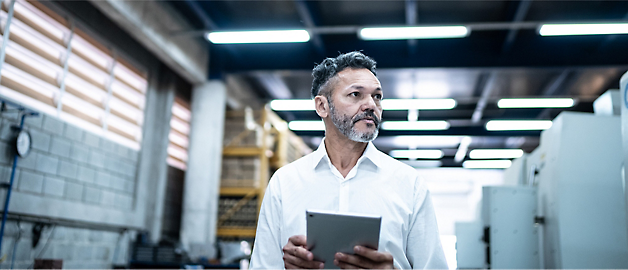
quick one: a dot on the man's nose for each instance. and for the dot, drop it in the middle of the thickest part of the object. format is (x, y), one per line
(369, 104)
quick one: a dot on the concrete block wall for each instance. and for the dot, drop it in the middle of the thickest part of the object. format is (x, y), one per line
(69, 173)
(79, 248)
(69, 163)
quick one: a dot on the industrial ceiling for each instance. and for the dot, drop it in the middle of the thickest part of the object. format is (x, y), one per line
(503, 56)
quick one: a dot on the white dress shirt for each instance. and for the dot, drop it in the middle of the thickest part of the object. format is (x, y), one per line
(377, 184)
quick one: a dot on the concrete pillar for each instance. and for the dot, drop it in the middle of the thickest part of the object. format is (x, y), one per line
(153, 172)
(202, 179)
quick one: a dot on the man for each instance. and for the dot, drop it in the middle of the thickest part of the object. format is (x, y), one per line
(348, 174)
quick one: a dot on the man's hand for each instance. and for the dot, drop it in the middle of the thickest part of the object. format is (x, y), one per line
(296, 255)
(364, 258)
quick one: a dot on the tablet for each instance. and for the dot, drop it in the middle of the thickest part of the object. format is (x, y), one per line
(329, 232)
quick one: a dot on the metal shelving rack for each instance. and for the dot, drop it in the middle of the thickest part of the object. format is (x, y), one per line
(276, 142)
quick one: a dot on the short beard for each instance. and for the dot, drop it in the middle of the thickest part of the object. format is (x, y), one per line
(346, 124)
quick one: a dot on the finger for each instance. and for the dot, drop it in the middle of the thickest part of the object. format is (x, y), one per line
(298, 240)
(288, 265)
(356, 260)
(344, 265)
(300, 263)
(298, 252)
(373, 254)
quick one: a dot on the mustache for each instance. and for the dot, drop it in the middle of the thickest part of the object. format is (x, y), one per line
(367, 114)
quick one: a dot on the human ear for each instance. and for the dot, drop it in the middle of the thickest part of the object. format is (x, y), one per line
(321, 105)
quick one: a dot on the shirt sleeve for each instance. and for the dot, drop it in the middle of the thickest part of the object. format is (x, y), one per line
(267, 250)
(424, 249)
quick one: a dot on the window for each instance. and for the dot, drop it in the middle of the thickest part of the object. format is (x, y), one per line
(52, 66)
(179, 133)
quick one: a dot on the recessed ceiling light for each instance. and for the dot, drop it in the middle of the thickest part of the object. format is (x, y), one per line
(535, 103)
(409, 32)
(238, 37)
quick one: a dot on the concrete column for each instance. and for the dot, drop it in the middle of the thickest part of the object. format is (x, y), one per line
(153, 172)
(202, 179)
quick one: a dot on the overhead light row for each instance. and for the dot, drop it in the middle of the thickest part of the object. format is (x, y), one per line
(493, 125)
(387, 104)
(430, 104)
(407, 32)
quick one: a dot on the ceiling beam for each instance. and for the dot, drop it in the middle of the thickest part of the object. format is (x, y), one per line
(306, 17)
(486, 93)
(412, 17)
(554, 87)
(520, 14)
(208, 23)
(274, 85)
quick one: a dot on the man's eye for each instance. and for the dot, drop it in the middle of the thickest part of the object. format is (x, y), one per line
(354, 94)
(378, 96)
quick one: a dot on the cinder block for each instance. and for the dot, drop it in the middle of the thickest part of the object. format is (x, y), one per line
(73, 191)
(73, 133)
(34, 121)
(68, 169)
(23, 250)
(47, 164)
(84, 253)
(86, 174)
(118, 183)
(123, 201)
(95, 236)
(129, 186)
(54, 186)
(61, 233)
(128, 169)
(133, 155)
(60, 147)
(31, 181)
(102, 253)
(122, 150)
(108, 198)
(91, 139)
(79, 235)
(28, 162)
(40, 140)
(79, 152)
(110, 237)
(7, 153)
(92, 195)
(66, 253)
(96, 158)
(53, 125)
(107, 145)
(103, 179)
(6, 133)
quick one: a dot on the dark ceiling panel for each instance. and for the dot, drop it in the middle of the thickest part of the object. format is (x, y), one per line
(360, 12)
(577, 10)
(251, 15)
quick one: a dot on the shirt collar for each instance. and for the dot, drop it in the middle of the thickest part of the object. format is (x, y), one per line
(370, 153)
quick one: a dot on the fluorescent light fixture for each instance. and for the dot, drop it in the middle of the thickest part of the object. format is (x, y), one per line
(414, 154)
(535, 103)
(420, 104)
(501, 125)
(406, 32)
(317, 125)
(423, 163)
(415, 125)
(237, 37)
(583, 29)
(495, 153)
(486, 164)
(292, 105)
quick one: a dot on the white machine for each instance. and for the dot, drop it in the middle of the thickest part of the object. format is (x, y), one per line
(578, 176)
(580, 209)
(623, 101)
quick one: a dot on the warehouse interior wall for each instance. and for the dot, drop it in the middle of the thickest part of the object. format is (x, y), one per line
(87, 198)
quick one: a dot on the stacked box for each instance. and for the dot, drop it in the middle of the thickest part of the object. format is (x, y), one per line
(236, 125)
(246, 216)
(240, 172)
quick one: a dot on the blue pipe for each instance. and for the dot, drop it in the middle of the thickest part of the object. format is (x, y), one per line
(6, 203)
